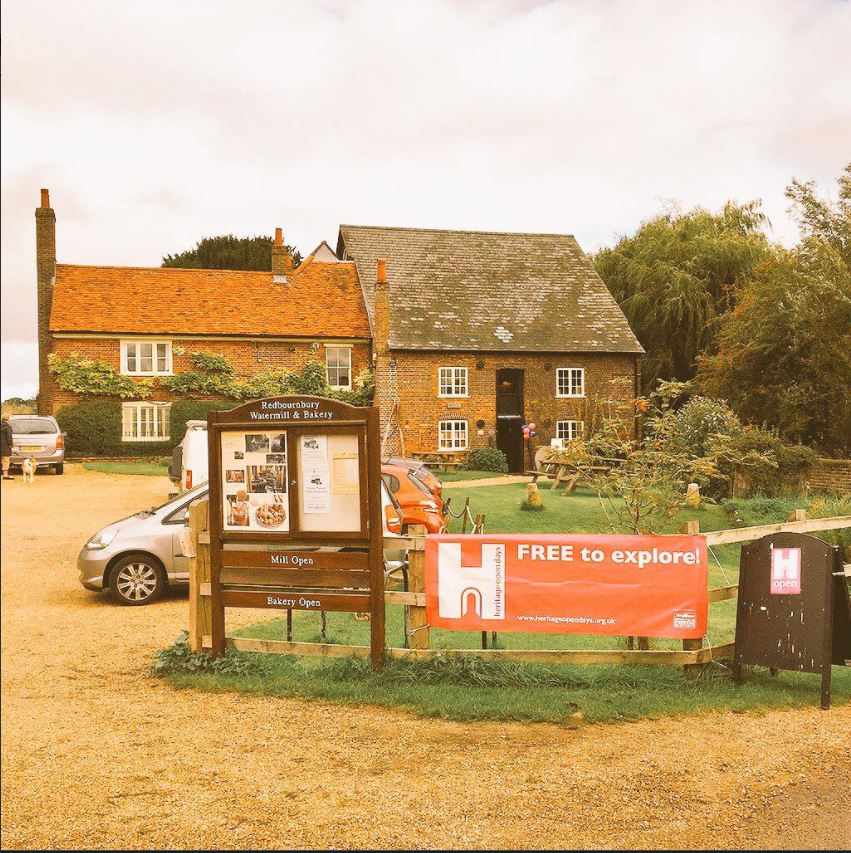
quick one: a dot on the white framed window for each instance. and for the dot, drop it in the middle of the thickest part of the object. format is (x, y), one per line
(146, 358)
(452, 435)
(568, 430)
(452, 382)
(570, 382)
(145, 421)
(338, 367)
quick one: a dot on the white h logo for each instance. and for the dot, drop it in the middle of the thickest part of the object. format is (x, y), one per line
(478, 590)
(785, 570)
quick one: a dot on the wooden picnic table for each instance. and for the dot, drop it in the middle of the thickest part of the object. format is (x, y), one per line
(563, 472)
(441, 459)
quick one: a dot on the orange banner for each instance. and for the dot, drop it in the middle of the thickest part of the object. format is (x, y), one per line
(646, 586)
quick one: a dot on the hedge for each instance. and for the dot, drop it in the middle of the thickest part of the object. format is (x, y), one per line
(94, 427)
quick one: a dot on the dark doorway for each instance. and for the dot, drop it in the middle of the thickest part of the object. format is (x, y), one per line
(509, 416)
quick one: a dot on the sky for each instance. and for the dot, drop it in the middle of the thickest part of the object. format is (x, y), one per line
(155, 124)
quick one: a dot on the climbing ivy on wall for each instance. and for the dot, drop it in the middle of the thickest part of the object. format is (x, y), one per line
(91, 378)
(212, 375)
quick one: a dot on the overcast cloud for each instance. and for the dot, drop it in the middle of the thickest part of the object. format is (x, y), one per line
(155, 124)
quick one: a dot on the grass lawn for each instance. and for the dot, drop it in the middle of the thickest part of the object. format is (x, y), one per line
(457, 476)
(149, 467)
(478, 690)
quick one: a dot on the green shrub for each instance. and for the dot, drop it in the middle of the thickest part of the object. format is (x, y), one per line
(781, 469)
(752, 512)
(94, 427)
(486, 459)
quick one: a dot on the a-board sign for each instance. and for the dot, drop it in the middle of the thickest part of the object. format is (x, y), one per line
(290, 476)
(793, 609)
(650, 586)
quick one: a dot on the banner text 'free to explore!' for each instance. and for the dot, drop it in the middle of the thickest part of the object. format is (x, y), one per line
(647, 586)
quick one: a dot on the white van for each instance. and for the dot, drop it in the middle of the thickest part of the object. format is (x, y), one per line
(189, 461)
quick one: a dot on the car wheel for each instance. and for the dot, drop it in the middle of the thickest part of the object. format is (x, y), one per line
(59, 468)
(137, 579)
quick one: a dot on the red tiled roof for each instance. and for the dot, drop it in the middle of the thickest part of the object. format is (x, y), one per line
(319, 300)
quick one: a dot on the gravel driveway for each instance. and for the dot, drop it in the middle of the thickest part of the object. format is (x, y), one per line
(97, 754)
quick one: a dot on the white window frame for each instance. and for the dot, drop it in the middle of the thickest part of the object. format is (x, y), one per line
(575, 427)
(126, 344)
(571, 373)
(133, 423)
(450, 378)
(457, 432)
(328, 368)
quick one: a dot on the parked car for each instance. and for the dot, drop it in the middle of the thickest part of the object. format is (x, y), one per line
(418, 471)
(40, 437)
(417, 491)
(138, 557)
(189, 460)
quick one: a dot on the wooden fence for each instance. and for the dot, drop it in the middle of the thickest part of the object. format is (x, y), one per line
(693, 656)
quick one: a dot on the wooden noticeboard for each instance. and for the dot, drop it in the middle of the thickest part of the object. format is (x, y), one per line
(290, 476)
(793, 607)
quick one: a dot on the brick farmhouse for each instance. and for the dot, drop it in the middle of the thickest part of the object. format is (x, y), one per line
(469, 334)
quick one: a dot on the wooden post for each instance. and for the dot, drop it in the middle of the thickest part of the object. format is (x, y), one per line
(418, 631)
(798, 515)
(200, 606)
(692, 670)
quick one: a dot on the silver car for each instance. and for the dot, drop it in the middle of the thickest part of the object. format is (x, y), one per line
(39, 437)
(138, 557)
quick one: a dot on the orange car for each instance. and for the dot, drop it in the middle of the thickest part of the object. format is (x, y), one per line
(417, 492)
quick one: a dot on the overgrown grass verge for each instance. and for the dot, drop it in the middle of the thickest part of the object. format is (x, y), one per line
(475, 690)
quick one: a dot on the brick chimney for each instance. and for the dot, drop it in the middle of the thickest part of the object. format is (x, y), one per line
(385, 367)
(282, 261)
(45, 253)
(381, 310)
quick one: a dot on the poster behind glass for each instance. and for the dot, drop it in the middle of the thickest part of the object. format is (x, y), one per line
(254, 481)
(329, 474)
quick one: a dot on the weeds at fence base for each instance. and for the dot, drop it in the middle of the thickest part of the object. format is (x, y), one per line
(467, 689)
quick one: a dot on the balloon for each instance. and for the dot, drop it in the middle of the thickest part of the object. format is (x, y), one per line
(533, 433)
(533, 426)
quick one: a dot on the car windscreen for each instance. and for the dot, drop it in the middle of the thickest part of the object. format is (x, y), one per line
(33, 426)
(427, 478)
(201, 493)
(412, 476)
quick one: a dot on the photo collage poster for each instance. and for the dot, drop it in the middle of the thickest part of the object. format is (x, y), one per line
(254, 481)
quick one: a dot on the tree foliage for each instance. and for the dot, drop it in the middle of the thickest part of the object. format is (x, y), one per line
(677, 276)
(227, 252)
(784, 356)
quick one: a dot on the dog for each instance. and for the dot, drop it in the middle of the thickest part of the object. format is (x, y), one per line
(28, 466)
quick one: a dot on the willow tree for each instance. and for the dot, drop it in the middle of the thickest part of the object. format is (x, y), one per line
(785, 353)
(677, 275)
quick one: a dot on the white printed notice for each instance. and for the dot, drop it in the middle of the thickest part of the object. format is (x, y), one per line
(316, 478)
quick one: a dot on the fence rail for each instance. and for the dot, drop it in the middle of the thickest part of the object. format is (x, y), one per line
(693, 656)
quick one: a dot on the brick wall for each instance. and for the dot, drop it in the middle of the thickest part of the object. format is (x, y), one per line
(247, 357)
(831, 475)
(607, 378)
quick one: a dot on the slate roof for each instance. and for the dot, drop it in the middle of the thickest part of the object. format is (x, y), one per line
(477, 290)
(319, 300)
